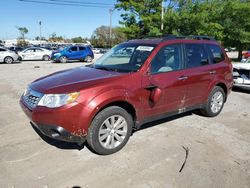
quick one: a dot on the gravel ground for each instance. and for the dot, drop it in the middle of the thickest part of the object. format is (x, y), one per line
(219, 148)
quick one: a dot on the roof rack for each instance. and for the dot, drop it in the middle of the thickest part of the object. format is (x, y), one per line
(197, 37)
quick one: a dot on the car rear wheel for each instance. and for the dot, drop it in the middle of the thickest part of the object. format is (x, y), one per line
(214, 103)
(8, 60)
(88, 59)
(110, 130)
(46, 58)
(63, 59)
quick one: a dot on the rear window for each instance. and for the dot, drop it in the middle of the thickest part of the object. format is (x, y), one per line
(2, 50)
(81, 48)
(216, 53)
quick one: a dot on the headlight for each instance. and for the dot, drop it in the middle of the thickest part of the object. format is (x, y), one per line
(57, 100)
(57, 54)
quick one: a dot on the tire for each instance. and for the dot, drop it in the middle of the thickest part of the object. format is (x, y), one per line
(110, 130)
(63, 59)
(8, 60)
(46, 58)
(88, 59)
(214, 103)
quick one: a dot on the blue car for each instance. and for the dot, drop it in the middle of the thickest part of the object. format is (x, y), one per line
(82, 53)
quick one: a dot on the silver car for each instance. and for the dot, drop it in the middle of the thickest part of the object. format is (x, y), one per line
(35, 53)
(8, 56)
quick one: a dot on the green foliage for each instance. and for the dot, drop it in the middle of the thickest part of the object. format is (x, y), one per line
(78, 40)
(141, 17)
(101, 37)
(22, 43)
(23, 31)
(227, 21)
(54, 38)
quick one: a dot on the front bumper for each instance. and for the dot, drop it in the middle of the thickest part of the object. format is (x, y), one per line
(58, 133)
(61, 124)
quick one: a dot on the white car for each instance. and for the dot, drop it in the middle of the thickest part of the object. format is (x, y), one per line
(8, 56)
(35, 53)
(241, 74)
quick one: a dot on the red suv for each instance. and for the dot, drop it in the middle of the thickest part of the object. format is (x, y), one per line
(135, 82)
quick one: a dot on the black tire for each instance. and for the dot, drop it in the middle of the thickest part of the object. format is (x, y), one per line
(46, 58)
(8, 60)
(208, 109)
(94, 131)
(88, 59)
(63, 59)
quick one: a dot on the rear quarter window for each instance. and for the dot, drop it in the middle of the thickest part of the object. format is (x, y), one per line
(216, 54)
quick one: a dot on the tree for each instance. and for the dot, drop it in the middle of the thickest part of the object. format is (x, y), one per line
(101, 37)
(22, 43)
(78, 40)
(54, 38)
(23, 31)
(227, 21)
(141, 18)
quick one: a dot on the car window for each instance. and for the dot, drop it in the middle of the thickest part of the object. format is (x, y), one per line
(196, 55)
(2, 50)
(81, 48)
(216, 53)
(38, 50)
(73, 49)
(167, 59)
(29, 50)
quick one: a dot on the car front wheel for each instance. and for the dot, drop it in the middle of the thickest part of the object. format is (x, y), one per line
(110, 130)
(88, 59)
(63, 59)
(8, 60)
(214, 103)
(46, 58)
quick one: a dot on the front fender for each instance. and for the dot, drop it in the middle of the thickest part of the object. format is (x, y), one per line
(94, 105)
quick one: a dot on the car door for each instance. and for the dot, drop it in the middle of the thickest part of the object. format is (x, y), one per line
(199, 73)
(38, 54)
(165, 82)
(73, 52)
(28, 54)
(82, 52)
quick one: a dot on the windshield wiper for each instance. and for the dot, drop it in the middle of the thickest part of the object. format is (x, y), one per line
(105, 68)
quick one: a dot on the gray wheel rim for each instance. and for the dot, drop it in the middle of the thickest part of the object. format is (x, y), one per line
(8, 60)
(46, 58)
(113, 131)
(63, 59)
(217, 102)
(88, 59)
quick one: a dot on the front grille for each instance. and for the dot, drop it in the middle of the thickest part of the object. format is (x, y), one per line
(32, 98)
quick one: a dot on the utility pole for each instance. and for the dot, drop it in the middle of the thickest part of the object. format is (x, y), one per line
(110, 26)
(40, 27)
(162, 15)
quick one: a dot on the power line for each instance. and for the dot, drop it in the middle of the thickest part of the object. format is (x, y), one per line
(56, 2)
(80, 2)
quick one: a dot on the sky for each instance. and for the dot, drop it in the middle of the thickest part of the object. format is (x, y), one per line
(64, 20)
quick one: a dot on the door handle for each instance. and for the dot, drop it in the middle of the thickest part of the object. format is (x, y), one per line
(182, 78)
(212, 72)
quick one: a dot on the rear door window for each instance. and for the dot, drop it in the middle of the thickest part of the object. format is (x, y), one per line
(81, 48)
(216, 54)
(2, 50)
(196, 55)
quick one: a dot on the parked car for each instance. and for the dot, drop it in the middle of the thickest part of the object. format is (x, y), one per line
(8, 56)
(246, 54)
(124, 89)
(96, 50)
(241, 74)
(35, 53)
(82, 53)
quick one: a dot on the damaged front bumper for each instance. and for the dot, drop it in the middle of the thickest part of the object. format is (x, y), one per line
(241, 75)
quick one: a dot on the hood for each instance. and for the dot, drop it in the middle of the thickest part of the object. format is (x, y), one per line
(243, 66)
(72, 80)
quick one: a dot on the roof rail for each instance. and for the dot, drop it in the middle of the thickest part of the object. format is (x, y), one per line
(197, 37)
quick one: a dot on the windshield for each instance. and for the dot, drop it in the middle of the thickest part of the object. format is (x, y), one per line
(124, 57)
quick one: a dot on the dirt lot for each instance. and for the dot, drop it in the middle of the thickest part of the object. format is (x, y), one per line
(219, 153)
